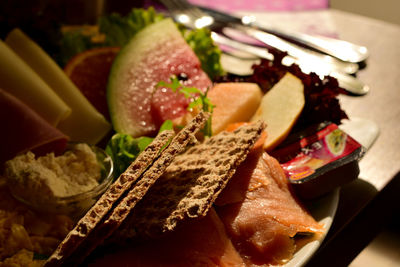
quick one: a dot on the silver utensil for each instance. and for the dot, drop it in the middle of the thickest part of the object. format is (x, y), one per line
(192, 17)
(340, 49)
(244, 58)
(318, 59)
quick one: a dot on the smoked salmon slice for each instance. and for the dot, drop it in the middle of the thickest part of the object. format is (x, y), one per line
(260, 212)
(202, 242)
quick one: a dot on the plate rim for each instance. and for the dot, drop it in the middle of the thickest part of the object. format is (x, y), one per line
(324, 207)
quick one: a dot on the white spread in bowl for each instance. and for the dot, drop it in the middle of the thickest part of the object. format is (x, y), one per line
(60, 183)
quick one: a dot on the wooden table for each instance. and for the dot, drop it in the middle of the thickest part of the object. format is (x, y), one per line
(369, 202)
(382, 104)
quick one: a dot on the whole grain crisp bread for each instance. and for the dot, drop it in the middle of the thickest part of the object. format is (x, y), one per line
(105, 203)
(122, 209)
(191, 183)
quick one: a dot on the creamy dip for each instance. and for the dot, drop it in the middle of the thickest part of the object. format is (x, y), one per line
(50, 176)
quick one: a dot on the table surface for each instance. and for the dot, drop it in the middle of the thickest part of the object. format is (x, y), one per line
(382, 103)
(366, 204)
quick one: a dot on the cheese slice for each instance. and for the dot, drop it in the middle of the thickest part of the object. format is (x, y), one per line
(85, 124)
(17, 78)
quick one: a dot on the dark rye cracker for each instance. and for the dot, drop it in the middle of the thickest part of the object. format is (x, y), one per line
(192, 182)
(122, 209)
(105, 203)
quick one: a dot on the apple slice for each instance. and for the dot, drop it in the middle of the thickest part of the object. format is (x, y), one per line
(280, 108)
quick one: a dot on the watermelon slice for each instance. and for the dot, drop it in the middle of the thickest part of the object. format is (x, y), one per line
(154, 54)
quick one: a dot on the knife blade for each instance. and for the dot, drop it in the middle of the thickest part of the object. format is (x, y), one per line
(230, 24)
(339, 49)
(296, 51)
(347, 82)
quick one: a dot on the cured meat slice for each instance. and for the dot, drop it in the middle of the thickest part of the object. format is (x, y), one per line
(202, 242)
(24, 130)
(260, 212)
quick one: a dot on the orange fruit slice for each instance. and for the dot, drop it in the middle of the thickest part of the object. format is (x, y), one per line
(89, 71)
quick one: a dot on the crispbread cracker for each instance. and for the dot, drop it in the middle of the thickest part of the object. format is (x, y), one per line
(105, 203)
(192, 182)
(122, 209)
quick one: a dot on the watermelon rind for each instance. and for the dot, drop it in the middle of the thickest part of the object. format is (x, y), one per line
(131, 62)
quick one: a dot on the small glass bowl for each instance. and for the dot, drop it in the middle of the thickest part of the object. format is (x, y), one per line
(76, 205)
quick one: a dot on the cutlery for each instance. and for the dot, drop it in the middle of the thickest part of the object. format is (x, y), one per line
(299, 52)
(247, 52)
(192, 17)
(340, 49)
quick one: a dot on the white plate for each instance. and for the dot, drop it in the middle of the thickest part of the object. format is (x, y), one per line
(323, 210)
(362, 130)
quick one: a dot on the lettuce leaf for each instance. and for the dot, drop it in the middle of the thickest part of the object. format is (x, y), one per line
(73, 43)
(120, 29)
(124, 149)
(208, 53)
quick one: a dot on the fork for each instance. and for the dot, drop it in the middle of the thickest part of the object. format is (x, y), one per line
(191, 16)
(187, 14)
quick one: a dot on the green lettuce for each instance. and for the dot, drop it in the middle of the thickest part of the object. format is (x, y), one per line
(208, 53)
(120, 29)
(124, 149)
(73, 43)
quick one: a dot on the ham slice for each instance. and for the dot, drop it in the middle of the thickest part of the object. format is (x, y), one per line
(196, 243)
(24, 130)
(260, 212)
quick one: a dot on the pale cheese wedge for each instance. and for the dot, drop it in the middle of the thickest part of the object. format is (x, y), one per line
(17, 78)
(280, 108)
(85, 123)
(234, 102)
